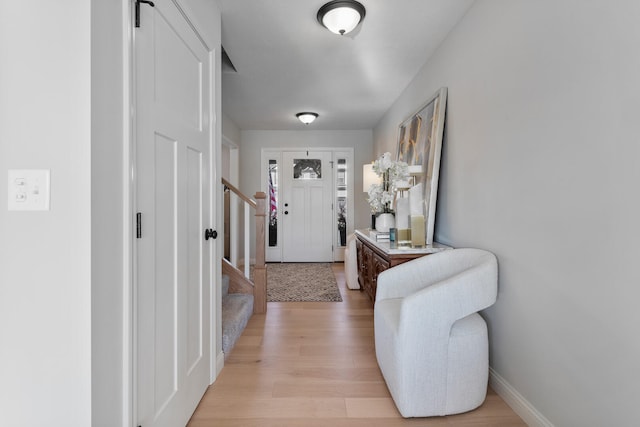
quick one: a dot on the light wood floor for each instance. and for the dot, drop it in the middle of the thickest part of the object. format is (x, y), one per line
(313, 365)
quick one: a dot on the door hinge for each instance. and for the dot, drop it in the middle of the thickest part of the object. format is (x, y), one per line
(139, 225)
(150, 3)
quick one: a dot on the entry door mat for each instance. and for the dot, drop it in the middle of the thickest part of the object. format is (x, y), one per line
(292, 282)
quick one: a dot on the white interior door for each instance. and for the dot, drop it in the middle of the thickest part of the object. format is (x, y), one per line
(306, 206)
(173, 142)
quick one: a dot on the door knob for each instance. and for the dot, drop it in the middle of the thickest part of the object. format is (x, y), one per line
(286, 212)
(210, 234)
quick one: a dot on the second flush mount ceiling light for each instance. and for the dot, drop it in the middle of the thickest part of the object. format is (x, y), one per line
(307, 117)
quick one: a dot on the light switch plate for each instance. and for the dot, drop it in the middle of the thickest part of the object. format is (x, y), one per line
(29, 189)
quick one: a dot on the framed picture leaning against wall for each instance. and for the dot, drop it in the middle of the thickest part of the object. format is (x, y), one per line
(420, 143)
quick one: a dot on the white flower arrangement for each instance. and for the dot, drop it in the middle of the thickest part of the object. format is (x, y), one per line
(381, 195)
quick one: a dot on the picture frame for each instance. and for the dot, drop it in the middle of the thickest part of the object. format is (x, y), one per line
(420, 143)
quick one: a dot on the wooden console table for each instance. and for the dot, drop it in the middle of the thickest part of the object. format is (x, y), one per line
(375, 257)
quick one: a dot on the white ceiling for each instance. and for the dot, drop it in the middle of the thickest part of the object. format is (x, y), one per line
(287, 62)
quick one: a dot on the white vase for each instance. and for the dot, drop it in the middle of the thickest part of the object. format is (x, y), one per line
(384, 222)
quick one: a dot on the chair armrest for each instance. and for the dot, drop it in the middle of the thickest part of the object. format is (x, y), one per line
(443, 303)
(410, 277)
(402, 280)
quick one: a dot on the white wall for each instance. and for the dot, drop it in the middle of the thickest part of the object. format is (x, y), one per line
(230, 130)
(230, 144)
(540, 166)
(45, 257)
(253, 141)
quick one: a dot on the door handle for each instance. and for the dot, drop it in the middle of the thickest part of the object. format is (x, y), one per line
(210, 234)
(286, 212)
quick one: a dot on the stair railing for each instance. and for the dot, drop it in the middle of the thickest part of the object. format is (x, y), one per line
(259, 267)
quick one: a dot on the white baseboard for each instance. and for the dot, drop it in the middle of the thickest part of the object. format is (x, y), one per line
(219, 363)
(517, 402)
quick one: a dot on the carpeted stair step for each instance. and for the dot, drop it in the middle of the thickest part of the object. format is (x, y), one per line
(236, 312)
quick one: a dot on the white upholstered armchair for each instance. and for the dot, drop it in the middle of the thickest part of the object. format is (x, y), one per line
(431, 344)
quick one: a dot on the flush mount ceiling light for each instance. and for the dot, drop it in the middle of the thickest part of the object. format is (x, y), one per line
(307, 117)
(341, 16)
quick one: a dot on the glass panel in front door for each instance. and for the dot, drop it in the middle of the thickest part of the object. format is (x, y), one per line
(341, 201)
(307, 169)
(273, 203)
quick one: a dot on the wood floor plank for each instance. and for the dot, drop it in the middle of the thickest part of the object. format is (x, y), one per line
(313, 364)
(250, 407)
(309, 422)
(330, 389)
(379, 407)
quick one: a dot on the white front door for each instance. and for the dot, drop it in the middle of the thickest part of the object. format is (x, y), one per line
(306, 206)
(173, 190)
